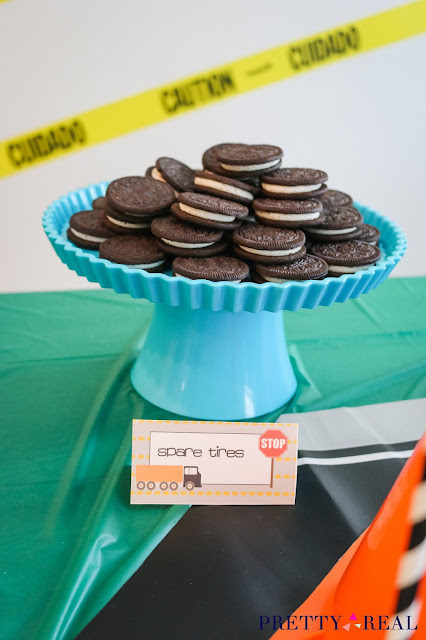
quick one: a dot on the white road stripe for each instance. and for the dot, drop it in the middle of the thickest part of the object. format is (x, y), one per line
(366, 457)
(367, 425)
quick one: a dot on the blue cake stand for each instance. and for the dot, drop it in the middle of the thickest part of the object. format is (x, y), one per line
(215, 350)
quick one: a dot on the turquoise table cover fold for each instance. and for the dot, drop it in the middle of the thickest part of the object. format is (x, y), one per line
(68, 536)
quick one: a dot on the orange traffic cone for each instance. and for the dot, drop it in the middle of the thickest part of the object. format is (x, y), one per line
(379, 584)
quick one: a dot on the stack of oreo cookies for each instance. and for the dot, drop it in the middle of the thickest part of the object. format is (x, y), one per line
(242, 217)
(121, 223)
(334, 228)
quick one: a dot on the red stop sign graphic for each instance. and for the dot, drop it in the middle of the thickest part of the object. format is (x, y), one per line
(272, 443)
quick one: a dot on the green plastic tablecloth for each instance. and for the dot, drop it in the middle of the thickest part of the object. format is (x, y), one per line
(68, 537)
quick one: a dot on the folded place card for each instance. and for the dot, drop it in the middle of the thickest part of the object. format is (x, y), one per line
(195, 462)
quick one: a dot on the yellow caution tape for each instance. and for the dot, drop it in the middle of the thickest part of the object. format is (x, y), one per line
(161, 103)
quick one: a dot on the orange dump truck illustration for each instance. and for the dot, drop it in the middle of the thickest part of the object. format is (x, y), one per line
(150, 476)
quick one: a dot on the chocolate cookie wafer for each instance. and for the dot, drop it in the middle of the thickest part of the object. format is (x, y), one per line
(219, 268)
(224, 187)
(88, 229)
(175, 173)
(288, 213)
(122, 223)
(269, 245)
(245, 160)
(99, 203)
(136, 252)
(306, 268)
(139, 196)
(334, 198)
(346, 257)
(208, 211)
(182, 239)
(210, 158)
(340, 223)
(294, 183)
(369, 234)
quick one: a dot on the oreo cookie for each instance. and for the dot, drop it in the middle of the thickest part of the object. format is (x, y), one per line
(99, 203)
(346, 257)
(181, 239)
(152, 172)
(210, 158)
(175, 173)
(217, 269)
(139, 196)
(369, 234)
(136, 252)
(288, 213)
(224, 187)
(208, 211)
(306, 268)
(123, 223)
(294, 183)
(88, 229)
(334, 198)
(340, 223)
(246, 160)
(269, 245)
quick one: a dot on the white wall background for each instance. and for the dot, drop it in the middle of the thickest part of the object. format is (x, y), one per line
(362, 119)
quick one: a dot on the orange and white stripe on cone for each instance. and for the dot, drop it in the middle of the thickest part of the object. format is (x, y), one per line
(412, 566)
(382, 575)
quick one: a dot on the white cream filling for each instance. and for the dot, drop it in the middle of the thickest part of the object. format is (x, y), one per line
(157, 176)
(187, 245)
(208, 215)
(262, 252)
(336, 269)
(250, 218)
(84, 236)
(332, 232)
(288, 216)
(227, 188)
(129, 225)
(278, 280)
(251, 167)
(281, 188)
(146, 266)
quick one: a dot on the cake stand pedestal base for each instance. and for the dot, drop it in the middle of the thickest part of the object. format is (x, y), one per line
(214, 365)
